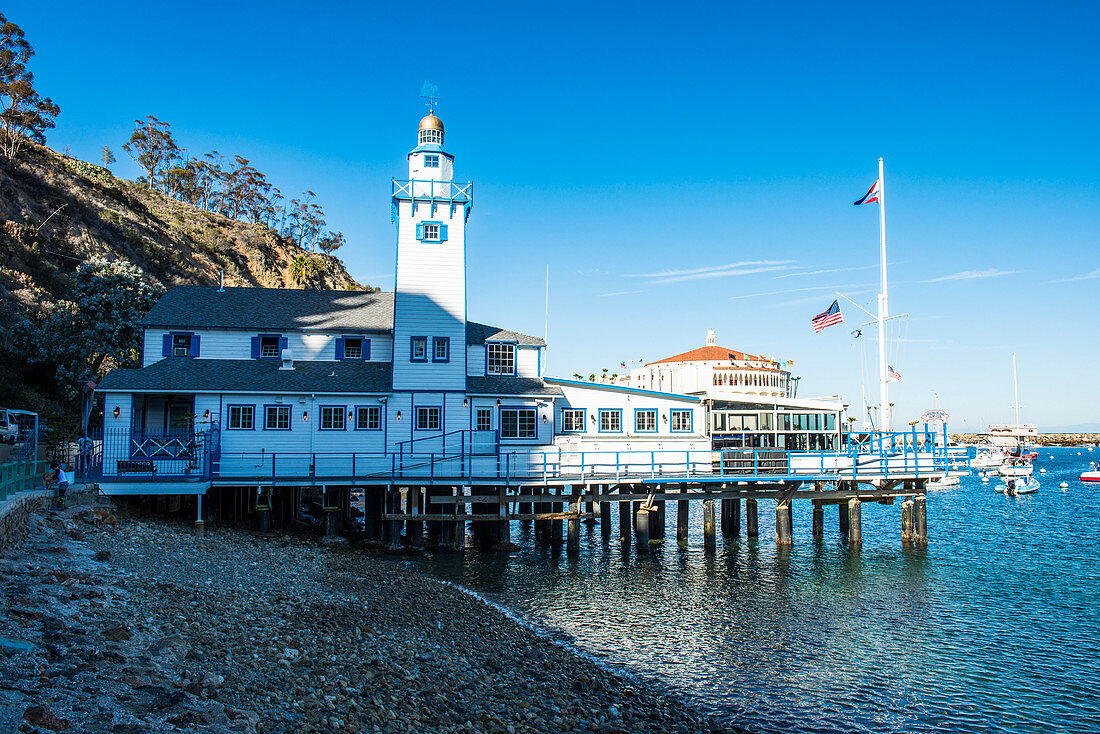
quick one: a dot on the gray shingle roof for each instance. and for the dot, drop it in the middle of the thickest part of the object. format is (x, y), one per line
(251, 375)
(509, 386)
(480, 333)
(285, 309)
(199, 307)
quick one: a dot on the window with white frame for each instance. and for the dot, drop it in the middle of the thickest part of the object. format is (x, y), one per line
(431, 136)
(269, 346)
(679, 421)
(431, 161)
(441, 349)
(572, 419)
(332, 417)
(501, 358)
(645, 421)
(431, 230)
(368, 418)
(427, 419)
(181, 345)
(277, 418)
(518, 422)
(241, 417)
(353, 348)
(484, 420)
(611, 420)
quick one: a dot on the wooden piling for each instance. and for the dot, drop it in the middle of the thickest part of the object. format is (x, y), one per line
(855, 528)
(783, 523)
(735, 517)
(842, 517)
(641, 530)
(819, 520)
(625, 521)
(573, 545)
(724, 512)
(683, 510)
(542, 527)
(556, 525)
(907, 521)
(920, 520)
(709, 545)
(605, 521)
(657, 521)
(414, 529)
(751, 528)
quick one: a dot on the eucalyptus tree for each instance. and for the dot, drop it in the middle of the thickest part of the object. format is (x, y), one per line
(24, 114)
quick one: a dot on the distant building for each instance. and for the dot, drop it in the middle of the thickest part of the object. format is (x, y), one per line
(751, 399)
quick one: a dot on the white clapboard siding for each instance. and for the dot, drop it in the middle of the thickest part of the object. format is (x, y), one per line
(430, 300)
(593, 398)
(527, 362)
(307, 346)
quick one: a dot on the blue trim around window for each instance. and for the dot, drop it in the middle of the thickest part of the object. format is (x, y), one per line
(431, 161)
(584, 420)
(645, 410)
(515, 360)
(445, 341)
(412, 349)
(229, 412)
(599, 420)
(289, 417)
(416, 417)
(691, 421)
(168, 346)
(321, 417)
(378, 408)
(514, 439)
(442, 232)
(478, 411)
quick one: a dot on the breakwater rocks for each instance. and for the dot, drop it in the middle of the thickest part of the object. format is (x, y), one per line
(1044, 439)
(140, 627)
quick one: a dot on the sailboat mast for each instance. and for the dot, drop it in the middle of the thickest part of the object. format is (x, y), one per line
(883, 308)
(1015, 389)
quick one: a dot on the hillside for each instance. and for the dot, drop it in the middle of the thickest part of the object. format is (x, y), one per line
(57, 212)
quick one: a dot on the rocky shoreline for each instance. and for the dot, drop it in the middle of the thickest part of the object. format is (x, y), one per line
(123, 625)
(1043, 439)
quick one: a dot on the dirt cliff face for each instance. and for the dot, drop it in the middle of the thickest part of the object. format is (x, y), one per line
(57, 211)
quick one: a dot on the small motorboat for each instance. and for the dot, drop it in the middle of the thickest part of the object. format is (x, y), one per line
(942, 482)
(1016, 467)
(987, 460)
(1091, 477)
(1014, 486)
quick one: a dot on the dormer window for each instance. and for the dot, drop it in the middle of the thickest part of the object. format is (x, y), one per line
(269, 346)
(500, 359)
(181, 345)
(353, 348)
(431, 161)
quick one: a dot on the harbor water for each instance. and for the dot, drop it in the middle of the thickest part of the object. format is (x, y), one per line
(995, 626)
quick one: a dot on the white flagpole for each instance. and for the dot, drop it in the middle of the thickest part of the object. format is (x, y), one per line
(883, 309)
(546, 325)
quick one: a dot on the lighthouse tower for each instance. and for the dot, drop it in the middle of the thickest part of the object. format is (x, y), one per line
(430, 210)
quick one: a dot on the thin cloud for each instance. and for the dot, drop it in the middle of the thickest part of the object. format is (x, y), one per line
(826, 270)
(721, 274)
(1087, 276)
(793, 290)
(709, 269)
(973, 275)
(619, 293)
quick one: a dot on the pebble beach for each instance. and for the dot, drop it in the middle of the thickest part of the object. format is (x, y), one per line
(117, 624)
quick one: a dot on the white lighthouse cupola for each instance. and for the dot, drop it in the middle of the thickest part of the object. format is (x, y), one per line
(428, 160)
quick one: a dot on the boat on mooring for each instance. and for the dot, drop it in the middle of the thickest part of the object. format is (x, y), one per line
(1090, 477)
(1019, 485)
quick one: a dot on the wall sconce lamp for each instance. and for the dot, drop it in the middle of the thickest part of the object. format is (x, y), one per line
(544, 419)
(592, 418)
(498, 402)
(399, 415)
(206, 415)
(350, 415)
(465, 402)
(664, 416)
(116, 412)
(305, 415)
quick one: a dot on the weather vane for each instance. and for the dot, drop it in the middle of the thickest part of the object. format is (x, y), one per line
(430, 92)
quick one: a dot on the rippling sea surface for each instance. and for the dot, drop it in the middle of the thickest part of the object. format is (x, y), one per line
(994, 626)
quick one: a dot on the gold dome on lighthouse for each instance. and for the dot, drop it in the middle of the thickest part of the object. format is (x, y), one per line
(431, 122)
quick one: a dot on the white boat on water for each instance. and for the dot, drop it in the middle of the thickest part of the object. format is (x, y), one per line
(1014, 435)
(1016, 467)
(987, 459)
(951, 480)
(1019, 485)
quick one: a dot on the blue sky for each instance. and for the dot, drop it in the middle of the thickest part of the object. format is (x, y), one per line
(624, 144)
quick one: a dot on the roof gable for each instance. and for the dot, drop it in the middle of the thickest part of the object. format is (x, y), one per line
(710, 354)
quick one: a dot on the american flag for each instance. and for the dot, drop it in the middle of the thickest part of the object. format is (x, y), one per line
(892, 374)
(827, 318)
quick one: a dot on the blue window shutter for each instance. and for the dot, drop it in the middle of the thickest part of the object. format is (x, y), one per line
(282, 344)
(443, 233)
(166, 350)
(420, 232)
(366, 349)
(339, 347)
(255, 347)
(194, 345)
